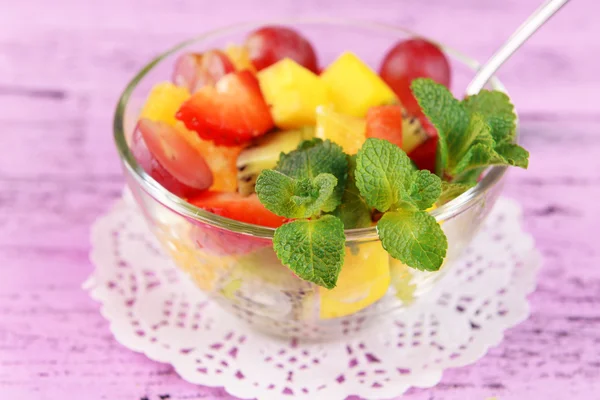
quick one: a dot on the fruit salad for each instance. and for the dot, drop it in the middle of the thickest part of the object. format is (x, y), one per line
(262, 133)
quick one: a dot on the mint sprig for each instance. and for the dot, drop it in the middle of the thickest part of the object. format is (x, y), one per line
(295, 198)
(387, 181)
(413, 237)
(314, 157)
(324, 191)
(353, 210)
(307, 183)
(313, 249)
(473, 134)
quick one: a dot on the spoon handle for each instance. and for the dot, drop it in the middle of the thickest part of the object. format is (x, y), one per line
(528, 28)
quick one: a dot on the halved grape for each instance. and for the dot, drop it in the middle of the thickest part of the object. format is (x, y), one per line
(175, 154)
(196, 70)
(411, 59)
(270, 44)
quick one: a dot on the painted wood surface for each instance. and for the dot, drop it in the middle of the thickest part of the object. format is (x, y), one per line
(63, 64)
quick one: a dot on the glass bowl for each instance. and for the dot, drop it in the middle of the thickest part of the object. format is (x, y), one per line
(234, 263)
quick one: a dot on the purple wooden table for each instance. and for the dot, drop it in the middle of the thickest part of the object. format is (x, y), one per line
(64, 62)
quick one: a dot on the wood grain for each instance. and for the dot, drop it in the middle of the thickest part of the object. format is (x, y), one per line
(64, 63)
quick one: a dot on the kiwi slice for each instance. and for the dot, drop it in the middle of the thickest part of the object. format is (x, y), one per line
(413, 133)
(264, 154)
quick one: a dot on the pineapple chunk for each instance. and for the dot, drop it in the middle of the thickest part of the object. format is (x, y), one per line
(293, 92)
(364, 279)
(347, 131)
(163, 102)
(354, 87)
(220, 159)
(240, 58)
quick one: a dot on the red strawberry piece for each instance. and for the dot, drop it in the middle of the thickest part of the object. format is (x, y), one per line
(235, 206)
(385, 122)
(231, 113)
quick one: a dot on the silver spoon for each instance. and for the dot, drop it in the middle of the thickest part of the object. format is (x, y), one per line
(524, 32)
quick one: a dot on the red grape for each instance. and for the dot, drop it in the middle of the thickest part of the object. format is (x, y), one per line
(195, 70)
(270, 44)
(174, 154)
(150, 164)
(411, 59)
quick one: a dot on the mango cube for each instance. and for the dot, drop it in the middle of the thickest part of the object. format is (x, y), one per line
(293, 92)
(347, 131)
(163, 102)
(354, 87)
(364, 279)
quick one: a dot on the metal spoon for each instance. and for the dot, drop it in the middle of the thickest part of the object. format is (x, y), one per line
(528, 28)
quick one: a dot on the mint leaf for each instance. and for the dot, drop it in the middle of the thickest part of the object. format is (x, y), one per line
(469, 177)
(314, 157)
(513, 154)
(295, 198)
(478, 131)
(313, 249)
(497, 110)
(450, 191)
(478, 156)
(413, 237)
(354, 210)
(425, 188)
(446, 113)
(383, 173)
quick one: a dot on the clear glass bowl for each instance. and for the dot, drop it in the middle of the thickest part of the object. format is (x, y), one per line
(234, 262)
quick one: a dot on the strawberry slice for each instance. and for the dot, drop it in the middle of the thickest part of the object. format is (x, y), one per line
(231, 113)
(196, 70)
(235, 206)
(424, 155)
(175, 154)
(385, 122)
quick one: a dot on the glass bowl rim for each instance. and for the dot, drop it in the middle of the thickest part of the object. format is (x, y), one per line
(182, 207)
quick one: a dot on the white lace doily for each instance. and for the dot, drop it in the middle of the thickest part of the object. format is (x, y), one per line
(156, 310)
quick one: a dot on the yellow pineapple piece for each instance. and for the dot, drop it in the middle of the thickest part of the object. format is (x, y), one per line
(220, 159)
(164, 102)
(347, 131)
(239, 57)
(354, 87)
(364, 279)
(293, 92)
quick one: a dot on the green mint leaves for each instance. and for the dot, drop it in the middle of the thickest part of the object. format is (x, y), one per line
(307, 183)
(354, 210)
(314, 157)
(413, 237)
(473, 134)
(295, 198)
(313, 249)
(383, 173)
(323, 191)
(388, 182)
